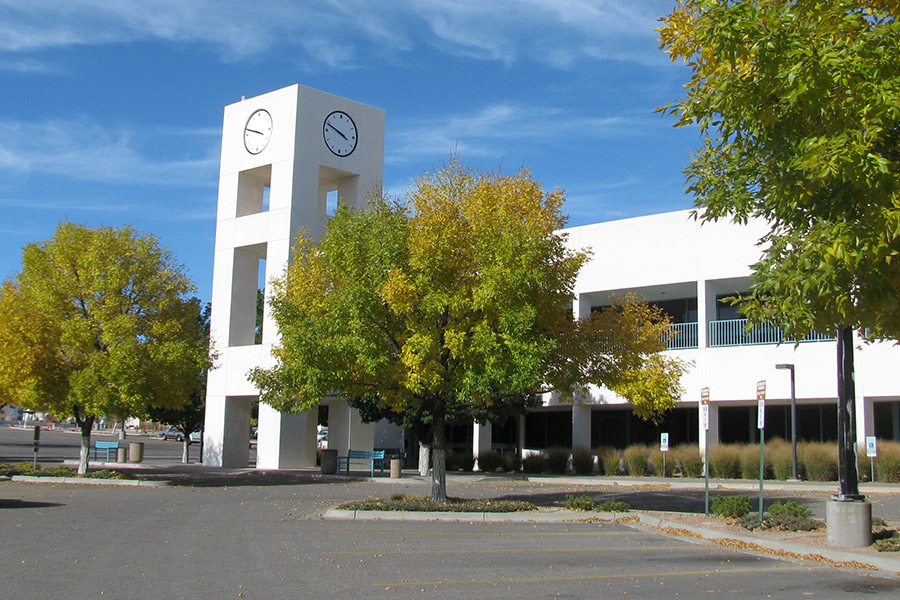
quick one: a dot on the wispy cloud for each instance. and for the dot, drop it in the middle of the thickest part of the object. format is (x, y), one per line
(86, 151)
(495, 130)
(554, 32)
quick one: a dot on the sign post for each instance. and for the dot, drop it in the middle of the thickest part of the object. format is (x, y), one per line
(37, 444)
(704, 407)
(871, 452)
(664, 448)
(761, 425)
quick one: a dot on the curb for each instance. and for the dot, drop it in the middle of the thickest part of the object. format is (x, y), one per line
(85, 481)
(791, 550)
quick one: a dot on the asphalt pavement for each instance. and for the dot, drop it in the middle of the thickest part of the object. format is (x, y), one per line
(242, 533)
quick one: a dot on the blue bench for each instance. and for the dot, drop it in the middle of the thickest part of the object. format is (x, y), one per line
(370, 456)
(108, 446)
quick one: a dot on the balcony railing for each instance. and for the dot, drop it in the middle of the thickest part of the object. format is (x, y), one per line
(681, 336)
(734, 332)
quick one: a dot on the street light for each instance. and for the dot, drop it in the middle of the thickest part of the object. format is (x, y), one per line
(790, 368)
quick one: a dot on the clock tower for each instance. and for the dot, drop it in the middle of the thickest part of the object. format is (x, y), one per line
(287, 157)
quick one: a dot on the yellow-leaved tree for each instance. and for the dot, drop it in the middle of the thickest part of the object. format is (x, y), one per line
(97, 323)
(452, 307)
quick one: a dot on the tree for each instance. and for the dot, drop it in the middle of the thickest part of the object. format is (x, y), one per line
(189, 417)
(96, 324)
(798, 105)
(446, 310)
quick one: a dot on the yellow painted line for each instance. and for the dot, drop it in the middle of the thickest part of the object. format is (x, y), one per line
(597, 577)
(506, 550)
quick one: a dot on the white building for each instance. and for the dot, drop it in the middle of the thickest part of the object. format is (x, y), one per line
(280, 171)
(687, 268)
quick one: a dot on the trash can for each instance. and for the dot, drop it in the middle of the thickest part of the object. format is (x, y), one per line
(136, 452)
(120, 454)
(328, 461)
(396, 466)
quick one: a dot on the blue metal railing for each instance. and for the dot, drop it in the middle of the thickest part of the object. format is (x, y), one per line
(682, 336)
(734, 332)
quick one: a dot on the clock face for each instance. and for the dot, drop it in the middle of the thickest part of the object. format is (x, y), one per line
(258, 131)
(339, 132)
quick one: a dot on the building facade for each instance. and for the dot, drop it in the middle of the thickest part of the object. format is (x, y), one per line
(288, 155)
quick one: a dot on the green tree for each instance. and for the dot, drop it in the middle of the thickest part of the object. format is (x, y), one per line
(447, 309)
(798, 105)
(97, 324)
(189, 417)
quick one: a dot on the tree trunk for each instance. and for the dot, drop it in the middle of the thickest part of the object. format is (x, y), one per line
(424, 459)
(85, 454)
(439, 466)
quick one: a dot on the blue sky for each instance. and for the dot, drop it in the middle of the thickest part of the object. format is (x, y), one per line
(111, 111)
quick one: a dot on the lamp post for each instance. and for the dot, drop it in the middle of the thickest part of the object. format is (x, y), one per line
(790, 367)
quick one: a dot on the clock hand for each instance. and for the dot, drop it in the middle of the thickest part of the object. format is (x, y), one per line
(338, 131)
(255, 131)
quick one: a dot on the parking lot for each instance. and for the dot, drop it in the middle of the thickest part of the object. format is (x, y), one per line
(250, 535)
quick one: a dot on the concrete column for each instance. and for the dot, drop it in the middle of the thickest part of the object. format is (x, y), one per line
(581, 307)
(481, 440)
(706, 311)
(227, 432)
(346, 431)
(581, 426)
(284, 440)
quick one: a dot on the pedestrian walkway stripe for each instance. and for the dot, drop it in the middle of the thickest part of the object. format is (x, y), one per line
(598, 577)
(507, 550)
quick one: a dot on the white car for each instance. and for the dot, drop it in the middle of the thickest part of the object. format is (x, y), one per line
(196, 436)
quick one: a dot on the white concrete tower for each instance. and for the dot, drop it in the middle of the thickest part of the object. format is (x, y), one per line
(286, 158)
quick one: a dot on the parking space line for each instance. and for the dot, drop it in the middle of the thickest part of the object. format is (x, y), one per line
(506, 550)
(598, 577)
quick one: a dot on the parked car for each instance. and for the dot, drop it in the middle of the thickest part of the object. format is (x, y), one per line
(253, 431)
(172, 433)
(196, 436)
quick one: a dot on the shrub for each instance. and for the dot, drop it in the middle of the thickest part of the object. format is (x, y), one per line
(656, 463)
(781, 523)
(725, 461)
(534, 463)
(459, 460)
(732, 507)
(489, 461)
(579, 503)
(613, 506)
(791, 508)
(688, 457)
(820, 461)
(557, 459)
(749, 458)
(636, 459)
(887, 463)
(781, 458)
(510, 460)
(609, 460)
(888, 544)
(582, 461)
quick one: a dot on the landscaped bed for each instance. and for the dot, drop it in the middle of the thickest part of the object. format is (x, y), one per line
(37, 470)
(400, 502)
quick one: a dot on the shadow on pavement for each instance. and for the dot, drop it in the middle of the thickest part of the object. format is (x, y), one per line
(14, 503)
